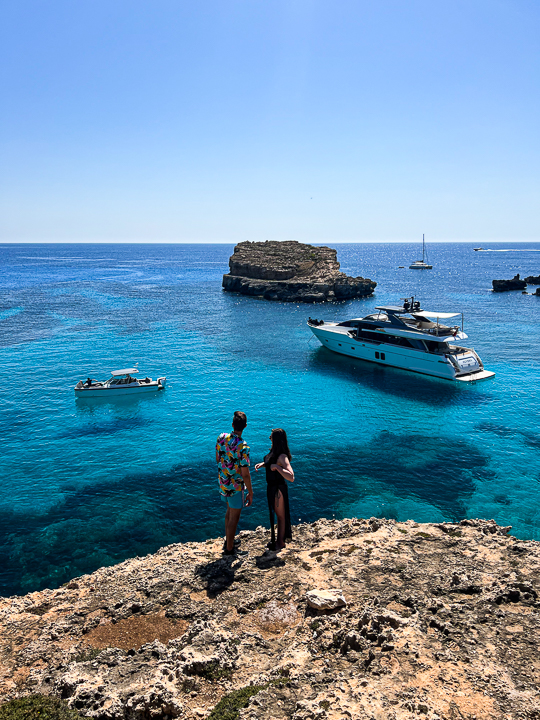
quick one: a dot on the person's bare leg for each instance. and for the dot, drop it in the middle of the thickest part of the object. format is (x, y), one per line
(231, 523)
(279, 507)
(226, 522)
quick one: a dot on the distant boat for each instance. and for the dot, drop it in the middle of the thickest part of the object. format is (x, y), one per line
(422, 264)
(477, 249)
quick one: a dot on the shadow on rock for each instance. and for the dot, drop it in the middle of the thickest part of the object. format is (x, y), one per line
(218, 575)
(269, 559)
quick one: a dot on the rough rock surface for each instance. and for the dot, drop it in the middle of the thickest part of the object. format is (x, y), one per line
(442, 622)
(291, 271)
(514, 284)
(533, 280)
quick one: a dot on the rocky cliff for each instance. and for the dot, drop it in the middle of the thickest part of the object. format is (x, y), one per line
(291, 271)
(437, 621)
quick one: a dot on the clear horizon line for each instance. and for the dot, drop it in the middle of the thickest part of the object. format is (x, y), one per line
(232, 242)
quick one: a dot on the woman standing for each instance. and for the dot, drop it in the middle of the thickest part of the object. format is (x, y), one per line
(278, 471)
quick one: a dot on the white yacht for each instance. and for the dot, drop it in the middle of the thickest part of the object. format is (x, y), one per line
(121, 383)
(405, 337)
(422, 264)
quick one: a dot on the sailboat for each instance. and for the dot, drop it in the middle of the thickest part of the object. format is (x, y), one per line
(422, 264)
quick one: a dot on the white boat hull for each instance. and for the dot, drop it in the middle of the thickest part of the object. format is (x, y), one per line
(120, 390)
(413, 360)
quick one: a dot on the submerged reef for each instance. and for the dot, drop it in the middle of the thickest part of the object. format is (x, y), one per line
(355, 619)
(292, 272)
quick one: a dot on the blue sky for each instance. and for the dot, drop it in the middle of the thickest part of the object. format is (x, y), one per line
(229, 120)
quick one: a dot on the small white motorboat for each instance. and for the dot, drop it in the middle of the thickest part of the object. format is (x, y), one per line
(121, 383)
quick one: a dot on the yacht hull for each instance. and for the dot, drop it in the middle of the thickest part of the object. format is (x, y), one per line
(396, 356)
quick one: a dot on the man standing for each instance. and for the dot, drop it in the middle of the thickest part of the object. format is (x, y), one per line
(232, 458)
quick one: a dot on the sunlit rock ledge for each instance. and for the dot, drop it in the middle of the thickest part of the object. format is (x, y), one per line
(291, 272)
(430, 620)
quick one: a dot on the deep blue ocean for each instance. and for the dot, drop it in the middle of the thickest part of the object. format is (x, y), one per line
(86, 483)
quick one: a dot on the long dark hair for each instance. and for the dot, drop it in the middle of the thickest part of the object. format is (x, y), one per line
(280, 446)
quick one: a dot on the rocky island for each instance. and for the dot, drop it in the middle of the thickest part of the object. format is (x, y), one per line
(504, 285)
(362, 619)
(291, 271)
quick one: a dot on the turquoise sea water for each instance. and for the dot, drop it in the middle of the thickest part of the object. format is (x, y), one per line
(85, 483)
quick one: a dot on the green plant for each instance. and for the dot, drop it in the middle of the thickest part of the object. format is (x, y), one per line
(229, 706)
(38, 707)
(324, 704)
(86, 655)
(214, 671)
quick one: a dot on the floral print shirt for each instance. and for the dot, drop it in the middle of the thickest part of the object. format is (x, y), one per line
(233, 453)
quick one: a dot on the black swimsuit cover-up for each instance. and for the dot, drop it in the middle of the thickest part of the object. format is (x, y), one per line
(275, 482)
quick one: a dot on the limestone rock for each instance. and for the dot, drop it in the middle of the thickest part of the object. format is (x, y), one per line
(442, 621)
(504, 285)
(533, 280)
(325, 599)
(292, 272)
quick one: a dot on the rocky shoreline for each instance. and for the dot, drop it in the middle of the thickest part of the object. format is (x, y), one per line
(439, 621)
(291, 272)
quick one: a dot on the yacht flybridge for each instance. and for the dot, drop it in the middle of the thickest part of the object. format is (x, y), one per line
(405, 337)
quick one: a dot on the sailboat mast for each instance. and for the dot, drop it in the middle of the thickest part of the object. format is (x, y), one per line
(423, 247)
